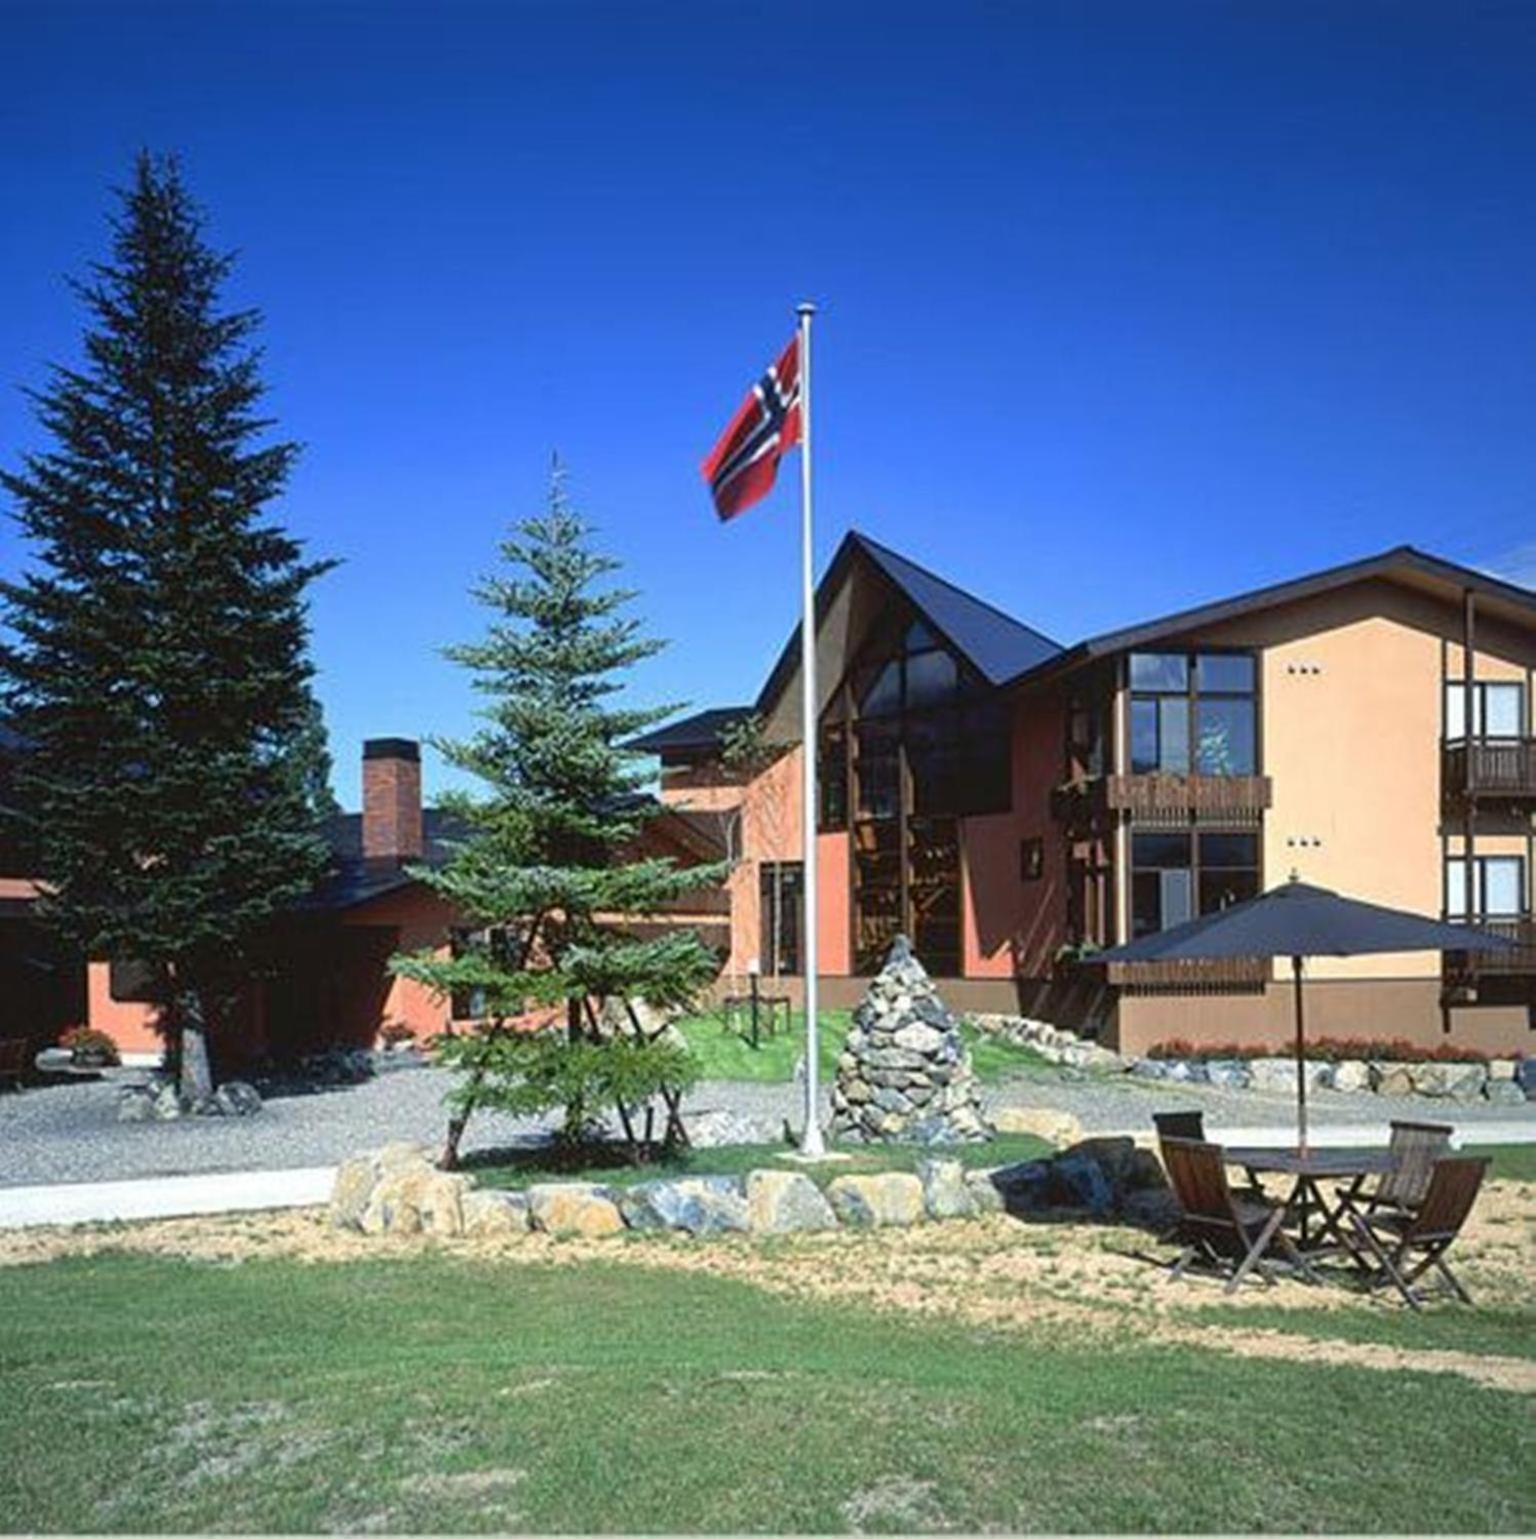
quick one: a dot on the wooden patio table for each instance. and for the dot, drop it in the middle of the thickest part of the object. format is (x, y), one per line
(1311, 1167)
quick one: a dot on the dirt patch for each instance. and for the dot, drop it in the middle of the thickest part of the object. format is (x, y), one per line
(896, 1503)
(994, 1272)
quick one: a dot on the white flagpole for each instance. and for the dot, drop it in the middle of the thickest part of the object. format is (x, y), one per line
(810, 1141)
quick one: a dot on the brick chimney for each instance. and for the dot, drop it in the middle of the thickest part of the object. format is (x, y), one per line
(392, 799)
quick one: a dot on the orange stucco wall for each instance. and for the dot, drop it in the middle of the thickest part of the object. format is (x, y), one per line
(129, 1025)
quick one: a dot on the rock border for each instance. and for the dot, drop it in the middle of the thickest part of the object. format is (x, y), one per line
(397, 1190)
(1502, 1081)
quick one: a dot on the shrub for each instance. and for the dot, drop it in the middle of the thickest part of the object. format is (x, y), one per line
(90, 1048)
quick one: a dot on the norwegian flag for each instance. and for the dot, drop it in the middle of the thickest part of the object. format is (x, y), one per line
(741, 468)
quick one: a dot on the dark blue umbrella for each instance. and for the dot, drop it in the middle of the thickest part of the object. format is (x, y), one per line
(1297, 921)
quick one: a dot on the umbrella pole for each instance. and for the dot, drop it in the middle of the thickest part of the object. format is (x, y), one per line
(1301, 1058)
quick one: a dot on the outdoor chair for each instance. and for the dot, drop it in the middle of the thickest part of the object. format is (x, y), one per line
(1232, 1233)
(1416, 1146)
(13, 1061)
(1180, 1124)
(1404, 1246)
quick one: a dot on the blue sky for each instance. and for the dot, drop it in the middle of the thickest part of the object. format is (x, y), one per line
(1123, 306)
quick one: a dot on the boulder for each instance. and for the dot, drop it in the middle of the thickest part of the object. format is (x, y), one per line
(355, 1181)
(1149, 1068)
(1144, 1173)
(1157, 1211)
(1229, 1073)
(694, 1204)
(236, 1098)
(136, 1104)
(415, 1199)
(786, 1202)
(1055, 1127)
(1449, 1081)
(169, 1103)
(985, 1196)
(1021, 1188)
(945, 1194)
(1525, 1077)
(1503, 1068)
(1352, 1076)
(1079, 1181)
(488, 1213)
(893, 1198)
(1273, 1074)
(1114, 1156)
(573, 1208)
(1388, 1078)
(1503, 1092)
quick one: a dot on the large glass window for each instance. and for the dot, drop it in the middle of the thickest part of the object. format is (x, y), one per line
(1175, 876)
(1498, 708)
(781, 909)
(1498, 887)
(1193, 712)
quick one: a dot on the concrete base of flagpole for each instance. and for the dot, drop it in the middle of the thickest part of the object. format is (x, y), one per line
(821, 1157)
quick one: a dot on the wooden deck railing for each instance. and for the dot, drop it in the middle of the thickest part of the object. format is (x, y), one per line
(1165, 799)
(1491, 766)
(1227, 975)
(1520, 961)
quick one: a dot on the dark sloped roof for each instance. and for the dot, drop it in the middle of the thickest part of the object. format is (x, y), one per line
(999, 646)
(1400, 561)
(701, 730)
(355, 878)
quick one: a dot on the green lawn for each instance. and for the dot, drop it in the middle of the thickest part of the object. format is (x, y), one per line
(435, 1394)
(519, 1168)
(724, 1054)
(1511, 1162)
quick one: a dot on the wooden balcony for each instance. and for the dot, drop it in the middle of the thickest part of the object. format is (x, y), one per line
(1179, 798)
(1490, 766)
(1227, 975)
(1519, 963)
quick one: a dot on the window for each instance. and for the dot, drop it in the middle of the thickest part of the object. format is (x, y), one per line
(781, 905)
(1498, 709)
(1498, 887)
(1175, 876)
(832, 779)
(1193, 712)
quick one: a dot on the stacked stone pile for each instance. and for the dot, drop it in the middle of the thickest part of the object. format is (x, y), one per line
(904, 1074)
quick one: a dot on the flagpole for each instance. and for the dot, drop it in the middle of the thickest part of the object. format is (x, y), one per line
(810, 1140)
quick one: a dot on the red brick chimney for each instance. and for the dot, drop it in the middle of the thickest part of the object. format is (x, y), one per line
(392, 799)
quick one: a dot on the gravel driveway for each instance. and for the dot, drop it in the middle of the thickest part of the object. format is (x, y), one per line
(70, 1132)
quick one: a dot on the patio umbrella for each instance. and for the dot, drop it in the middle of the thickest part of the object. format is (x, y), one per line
(1297, 921)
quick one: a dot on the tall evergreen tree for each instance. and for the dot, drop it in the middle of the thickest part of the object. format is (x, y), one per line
(156, 662)
(546, 874)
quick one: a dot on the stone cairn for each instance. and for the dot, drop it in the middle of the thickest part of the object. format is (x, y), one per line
(905, 1074)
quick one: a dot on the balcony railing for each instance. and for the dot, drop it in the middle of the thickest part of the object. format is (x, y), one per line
(1166, 799)
(1224, 975)
(1518, 962)
(1491, 766)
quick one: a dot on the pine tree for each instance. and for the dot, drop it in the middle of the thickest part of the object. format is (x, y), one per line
(546, 874)
(156, 662)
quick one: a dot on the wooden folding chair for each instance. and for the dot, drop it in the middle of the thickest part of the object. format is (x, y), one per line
(1232, 1233)
(1416, 1146)
(1406, 1245)
(1180, 1124)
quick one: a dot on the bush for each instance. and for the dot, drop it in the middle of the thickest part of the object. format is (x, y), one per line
(1321, 1050)
(90, 1048)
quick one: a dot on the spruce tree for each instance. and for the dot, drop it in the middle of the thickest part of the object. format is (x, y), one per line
(156, 661)
(546, 873)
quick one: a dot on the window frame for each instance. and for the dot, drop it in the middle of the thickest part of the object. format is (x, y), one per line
(1197, 868)
(1455, 693)
(1192, 694)
(1454, 887)
(780, 875)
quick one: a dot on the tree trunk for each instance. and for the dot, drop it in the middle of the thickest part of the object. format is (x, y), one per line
(196, 1067)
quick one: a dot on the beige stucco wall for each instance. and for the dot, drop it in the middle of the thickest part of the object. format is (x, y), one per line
(1352, 688)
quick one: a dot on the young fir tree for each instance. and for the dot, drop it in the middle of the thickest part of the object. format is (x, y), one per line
(545, 873)
(156, 659)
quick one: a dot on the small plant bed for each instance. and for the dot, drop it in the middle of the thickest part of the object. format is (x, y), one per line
(609, 1164)
(724, 1053)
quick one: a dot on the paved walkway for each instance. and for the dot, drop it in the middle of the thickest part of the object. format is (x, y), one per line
(64, 1158)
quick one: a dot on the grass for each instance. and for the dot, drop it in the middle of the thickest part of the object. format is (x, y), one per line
(517, 1168)
(1511, 1162)
(432, 1394)
(727, 1055)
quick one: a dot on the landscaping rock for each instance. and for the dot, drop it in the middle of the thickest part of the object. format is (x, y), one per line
(1229, 1073)
(1021, 1188)
(1273, 1074)
(1079, 1181)
(136, 1104)
(1503, 1092)
(1391, 1079)
(488, 1213)
(355, 1181)
(1352, 1076)
(415, 1199)
(786, 1202)
(695, 1204)
(1114, 1156)
(1157, 1211)
(1449, 1081)
(1503, 1068)
(1055, 1127)
(985, 1197)
(945, 1194)
(1149, 1068)
(169, 1103)
(893, 1198)
(1525, 1077)
(573, 1208)
(904, 1073)
(235, 1098)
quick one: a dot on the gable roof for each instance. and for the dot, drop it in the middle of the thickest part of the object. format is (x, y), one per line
(1402, 563)
(995, 644)
(701, 730)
